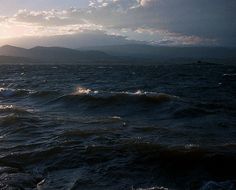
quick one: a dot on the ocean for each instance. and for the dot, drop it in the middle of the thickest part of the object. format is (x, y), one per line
(100, 127)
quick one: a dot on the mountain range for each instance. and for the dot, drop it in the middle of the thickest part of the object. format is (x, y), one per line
(130, 53)
(52, 54)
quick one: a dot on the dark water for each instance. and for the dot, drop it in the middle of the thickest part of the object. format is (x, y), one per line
(118, 127)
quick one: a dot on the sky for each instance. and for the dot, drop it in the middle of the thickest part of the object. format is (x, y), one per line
(79, 23)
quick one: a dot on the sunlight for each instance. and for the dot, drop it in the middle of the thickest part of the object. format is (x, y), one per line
(10, 30)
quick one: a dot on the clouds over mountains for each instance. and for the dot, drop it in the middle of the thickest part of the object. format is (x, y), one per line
(169, 22)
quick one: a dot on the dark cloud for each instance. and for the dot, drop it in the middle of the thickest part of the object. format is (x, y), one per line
(203, 18)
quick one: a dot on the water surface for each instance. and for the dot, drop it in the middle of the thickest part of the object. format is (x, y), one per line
(117, 127)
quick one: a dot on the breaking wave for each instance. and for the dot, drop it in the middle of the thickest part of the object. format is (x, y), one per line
(112, 97)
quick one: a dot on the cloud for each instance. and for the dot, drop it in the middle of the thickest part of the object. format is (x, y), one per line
(50, 18)
(180, 22)
(3, 18)
(148, 3)
(165, 37)
(86, 38)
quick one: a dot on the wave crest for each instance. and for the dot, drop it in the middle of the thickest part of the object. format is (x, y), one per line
(81, 90)
(88, 95)
(11, 92)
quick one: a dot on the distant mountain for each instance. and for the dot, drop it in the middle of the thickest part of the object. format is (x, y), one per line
(166, 53)
(8, 50)
(54, 54)
(119, 54)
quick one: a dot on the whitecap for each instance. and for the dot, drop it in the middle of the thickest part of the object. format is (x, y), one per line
(191, 146)
(81, 90)
(6, 92)
(229, 74)
(151, 188)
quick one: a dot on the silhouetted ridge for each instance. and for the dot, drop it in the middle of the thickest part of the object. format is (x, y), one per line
(54, 54)
(123, 54)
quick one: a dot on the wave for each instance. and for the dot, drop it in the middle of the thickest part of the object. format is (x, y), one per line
(151, 188)
(211, 185)
(165, 159)
(15, 178)
(214, 159)
(119, 97)
(11, 115)
(81, 90)
(10, 119)
(88, 95)
(11, 92)
(93, 132)
(45, 94)
(4, 108)
(178, 157)
(229, 74)
(15, 120)
(192, 112)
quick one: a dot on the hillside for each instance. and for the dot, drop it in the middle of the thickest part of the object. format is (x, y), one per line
(54, 54)
(119, 54)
